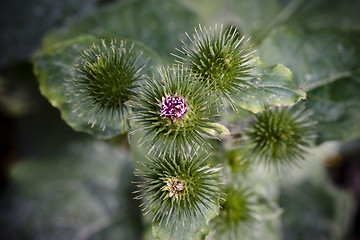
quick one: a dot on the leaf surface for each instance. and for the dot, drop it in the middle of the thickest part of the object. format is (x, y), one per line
(326, 64)
(273, 87)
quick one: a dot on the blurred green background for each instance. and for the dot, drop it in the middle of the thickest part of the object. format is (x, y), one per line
(57, 183)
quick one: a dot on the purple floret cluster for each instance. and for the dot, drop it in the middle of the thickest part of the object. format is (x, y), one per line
(173, 107)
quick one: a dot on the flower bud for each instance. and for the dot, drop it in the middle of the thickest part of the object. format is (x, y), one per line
(104, 79)
(221, 58)
(174, 112)
(179, 188)
(280, 135)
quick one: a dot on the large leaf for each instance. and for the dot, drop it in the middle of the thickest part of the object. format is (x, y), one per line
(326, 63)
(257, 18)
(316, 57)
(53, 66)
(157, 23)
(273, 87)
(336, 107)
(251, 17)
(83, 193)
(328, 13)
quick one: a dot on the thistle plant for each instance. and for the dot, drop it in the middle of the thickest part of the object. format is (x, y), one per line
(180, 189)
(174, 112)
(280, 136)
(221, 58)
(104, 79)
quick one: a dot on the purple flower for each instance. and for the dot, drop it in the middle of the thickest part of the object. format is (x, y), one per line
(173, 107)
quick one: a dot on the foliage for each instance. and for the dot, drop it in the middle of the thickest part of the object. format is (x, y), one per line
(208, 121)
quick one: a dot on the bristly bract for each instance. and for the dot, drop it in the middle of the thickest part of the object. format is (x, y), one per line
(237, 213)
(222, 58)
(174, 112)
(104, 79)
(280, 136)
(180, 189)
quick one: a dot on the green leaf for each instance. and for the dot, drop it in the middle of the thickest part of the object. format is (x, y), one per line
(326, 63)
(273, 88)
(159, 24)
(249, 16)
(316, 57)
(53, 66)
(257, 18)
(328, 13)
(83, 193)
(336, 107)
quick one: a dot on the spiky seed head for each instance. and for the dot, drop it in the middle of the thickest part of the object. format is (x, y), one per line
(181, 189)
(174, 111)
(280, 135)
(235, 208)
(104, 78)
(222, 58)
(237, 212)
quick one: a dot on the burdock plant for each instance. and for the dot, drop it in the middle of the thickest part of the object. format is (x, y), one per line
(175, 114)
(104, 79)
(280, 136)
(180, 189)
(222, 58)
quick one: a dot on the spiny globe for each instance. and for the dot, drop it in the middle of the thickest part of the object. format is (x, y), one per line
(280, 135)
(104, 80)
(236, 214)
(174, 111)
(235, 208)
(179, 189)
(221, 58)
